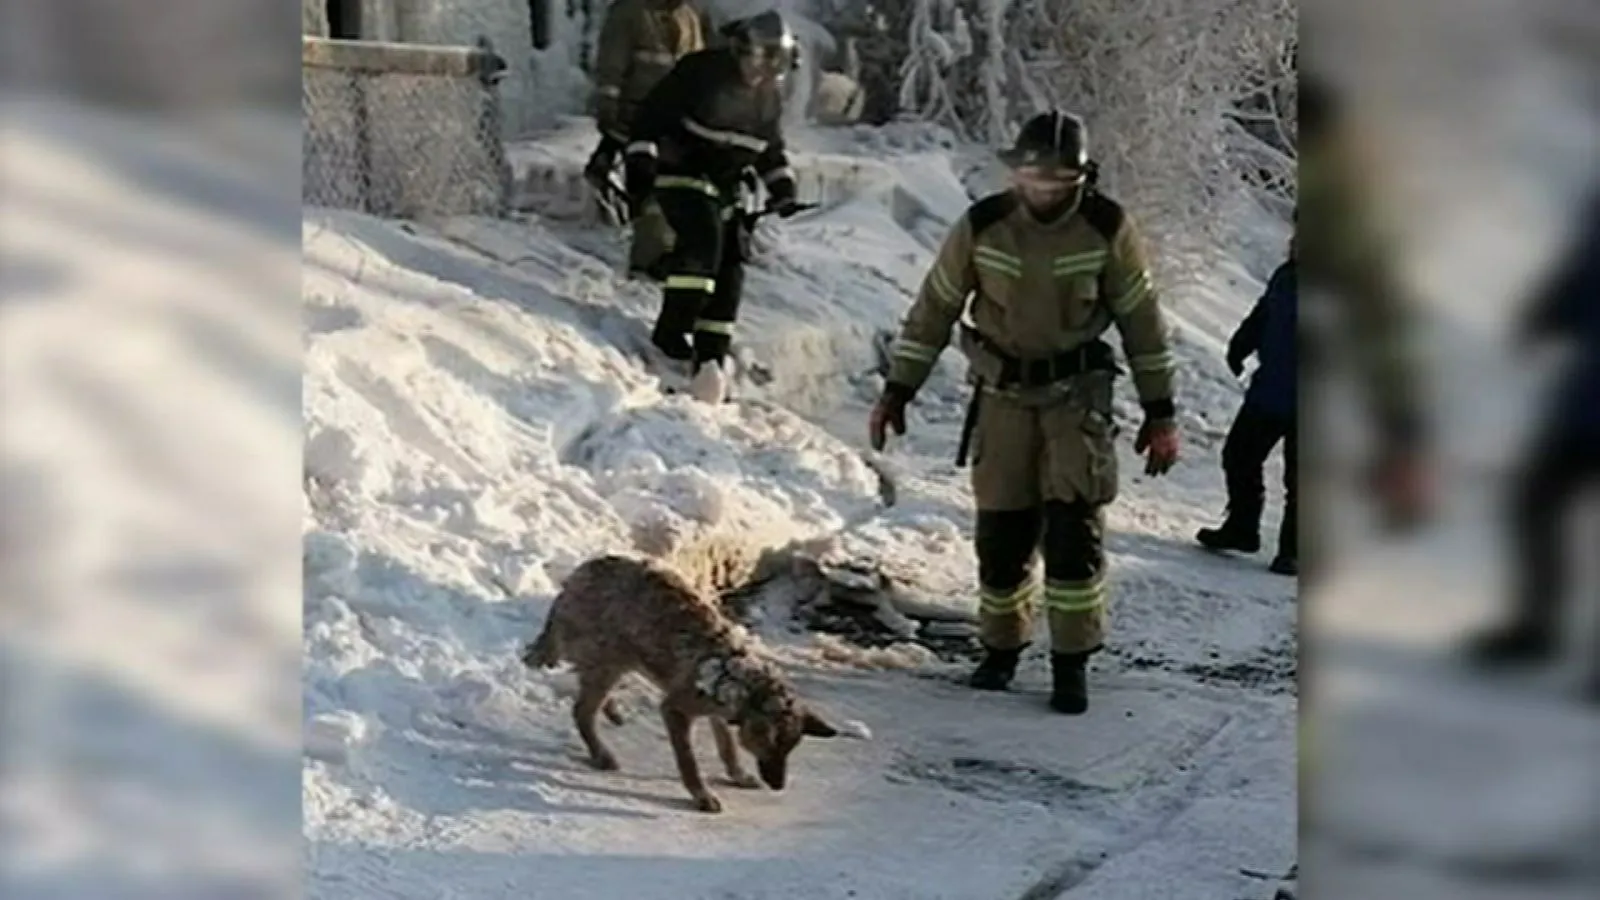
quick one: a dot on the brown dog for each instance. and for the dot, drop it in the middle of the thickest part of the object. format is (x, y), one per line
(616, 615)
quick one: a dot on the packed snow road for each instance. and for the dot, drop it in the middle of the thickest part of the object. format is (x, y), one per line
(479, 422)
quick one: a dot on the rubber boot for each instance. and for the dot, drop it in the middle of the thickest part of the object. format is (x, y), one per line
(1515, 643)
(1233, 534)
(995, 671)
(1069, 692)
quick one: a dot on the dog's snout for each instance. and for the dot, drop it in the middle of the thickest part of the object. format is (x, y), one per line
(773, 774)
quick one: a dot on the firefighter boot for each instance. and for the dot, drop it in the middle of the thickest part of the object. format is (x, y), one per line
(710, 383)
(1069, 692)
(996, 670)
(674, 324)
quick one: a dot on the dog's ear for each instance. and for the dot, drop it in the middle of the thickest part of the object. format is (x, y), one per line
(813, 726)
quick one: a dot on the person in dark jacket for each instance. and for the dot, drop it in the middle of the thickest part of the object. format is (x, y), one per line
(714, 116)
(1563, 462)
(1266, 417)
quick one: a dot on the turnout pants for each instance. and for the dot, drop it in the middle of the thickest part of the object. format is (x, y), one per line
(652, 237)
(704, 273)
(1042, 473)
(1244, 454)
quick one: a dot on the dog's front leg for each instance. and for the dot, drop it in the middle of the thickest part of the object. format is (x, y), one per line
(729, 751)
(678, 724)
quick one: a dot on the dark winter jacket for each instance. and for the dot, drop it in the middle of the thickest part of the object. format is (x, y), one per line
(1569, 307)
(703, 123)
(1269, 333)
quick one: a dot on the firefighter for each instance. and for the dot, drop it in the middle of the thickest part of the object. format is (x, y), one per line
(640, 41)
(1266, 417)
(1357, 302)
(1051, 264)
(714, 116)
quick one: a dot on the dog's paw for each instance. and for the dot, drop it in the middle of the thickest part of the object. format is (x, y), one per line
(605, 762)
(707, 802)
(745, 780)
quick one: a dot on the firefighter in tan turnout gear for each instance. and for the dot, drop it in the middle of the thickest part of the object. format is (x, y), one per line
(640, 42)
(1050, 265)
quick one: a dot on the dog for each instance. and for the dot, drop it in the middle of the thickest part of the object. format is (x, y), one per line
(618, 614)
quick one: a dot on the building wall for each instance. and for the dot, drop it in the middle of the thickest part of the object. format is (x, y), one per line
(508, 24)
(537, 85)
(542, 85)
(314, 18)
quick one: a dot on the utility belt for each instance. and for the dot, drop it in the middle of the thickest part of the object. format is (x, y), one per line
(1002, 371)
(996, 369)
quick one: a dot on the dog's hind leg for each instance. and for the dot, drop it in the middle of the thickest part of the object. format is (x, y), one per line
(593, 686)
(678, 723)
(729, 751)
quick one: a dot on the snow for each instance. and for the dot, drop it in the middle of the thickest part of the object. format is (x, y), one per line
(151, 645)
(482, 415)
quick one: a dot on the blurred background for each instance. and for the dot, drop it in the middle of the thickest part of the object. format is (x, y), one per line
(149, 482)
(1452, 707)
(149, 335)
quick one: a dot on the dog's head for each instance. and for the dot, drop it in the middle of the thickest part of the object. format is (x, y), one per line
(771, 731)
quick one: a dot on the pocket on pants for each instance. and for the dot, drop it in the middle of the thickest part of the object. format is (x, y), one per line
(1099, 477)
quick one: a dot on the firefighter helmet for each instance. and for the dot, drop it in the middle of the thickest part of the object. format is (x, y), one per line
(1054, 139)
(767, 38)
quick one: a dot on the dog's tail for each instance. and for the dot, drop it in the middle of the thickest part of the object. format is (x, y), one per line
(544, 651)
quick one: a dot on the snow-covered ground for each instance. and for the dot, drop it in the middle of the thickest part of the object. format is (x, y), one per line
(481, 416)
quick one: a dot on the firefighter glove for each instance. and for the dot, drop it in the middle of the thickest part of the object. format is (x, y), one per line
(1403, 483)
(781, 193)
(640, 169)
(888, 412)
(1158, 440)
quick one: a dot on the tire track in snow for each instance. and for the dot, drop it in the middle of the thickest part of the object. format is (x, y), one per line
(1076, 870)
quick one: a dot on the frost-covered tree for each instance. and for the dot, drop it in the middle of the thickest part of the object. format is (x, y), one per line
(1167, 87)
(1189, 102)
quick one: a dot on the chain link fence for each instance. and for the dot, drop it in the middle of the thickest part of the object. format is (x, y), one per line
(403, 130)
